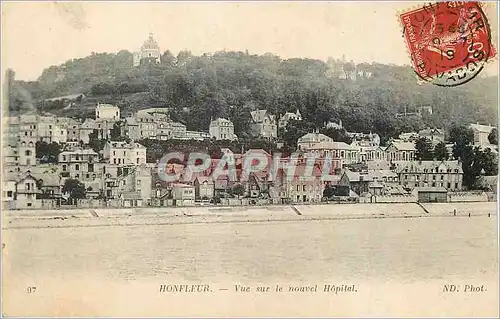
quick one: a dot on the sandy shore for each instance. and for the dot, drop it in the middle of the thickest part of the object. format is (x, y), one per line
(191, 215)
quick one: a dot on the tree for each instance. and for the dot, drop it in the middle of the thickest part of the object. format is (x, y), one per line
(329, 191)
(441, 152)
(424, 149)
(338, 135)
(462, 138)
(116, 133)
(238, 190)
(493, 137)
(168, 58)
(47, 153)
(75, 189)
(95, 142)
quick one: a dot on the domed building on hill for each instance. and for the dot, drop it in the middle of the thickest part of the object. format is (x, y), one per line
(150, 51)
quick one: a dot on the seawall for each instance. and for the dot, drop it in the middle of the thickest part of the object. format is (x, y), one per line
(190, 215)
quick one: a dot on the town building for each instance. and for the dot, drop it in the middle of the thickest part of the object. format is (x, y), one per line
(27, 195)
(263, 124)
(411, 137)
(481, 133)
(126, 153)
(78, 164)
(447, 174)
(195, 135)
(341, 152)
(375, 182)
(285, 118)
(107, 112)
(204, 188)
(310, 139)
(333, 125)
(49, 131)
(431, 194)
(149, 52)
(434, 135)
(222, 129)
(298, 188)
(400, 151)
(365, 139)
(370, 153)
(183, 194)
(86, 128)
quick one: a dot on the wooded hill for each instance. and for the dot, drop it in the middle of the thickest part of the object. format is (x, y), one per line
(231, 84)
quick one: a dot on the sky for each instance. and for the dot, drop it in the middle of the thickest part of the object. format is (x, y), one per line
(36, 35)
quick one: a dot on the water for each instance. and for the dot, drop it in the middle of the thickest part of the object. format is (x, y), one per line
(402, 249)
(398, 265)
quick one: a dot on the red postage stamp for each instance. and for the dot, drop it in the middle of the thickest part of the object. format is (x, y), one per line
(449, 42)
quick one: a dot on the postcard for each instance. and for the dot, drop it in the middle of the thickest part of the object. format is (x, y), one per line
(249, 159)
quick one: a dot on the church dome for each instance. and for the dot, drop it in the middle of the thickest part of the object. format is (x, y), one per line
(150, 44)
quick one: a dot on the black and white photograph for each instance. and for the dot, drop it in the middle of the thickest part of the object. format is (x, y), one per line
(249, 159)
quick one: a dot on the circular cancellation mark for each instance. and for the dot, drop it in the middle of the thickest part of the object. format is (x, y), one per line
(449, 42)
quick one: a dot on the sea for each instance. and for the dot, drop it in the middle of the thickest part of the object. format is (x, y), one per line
(104, 270)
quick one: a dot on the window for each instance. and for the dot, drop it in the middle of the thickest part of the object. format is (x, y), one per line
(456, 185)
(77, 167)
(298, 187)
(433, 177)
(304, 188)
(28, 204)
(28, 153)
(50, 127)
(28, 186)
(433, 184)
(448, 185)
(9, 193)
(442, 177)
(64, 168)
(138, 160)
(406, 176)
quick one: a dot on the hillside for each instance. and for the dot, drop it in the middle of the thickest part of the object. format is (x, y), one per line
(230, 84)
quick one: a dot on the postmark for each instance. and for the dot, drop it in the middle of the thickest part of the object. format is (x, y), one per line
(449, 42)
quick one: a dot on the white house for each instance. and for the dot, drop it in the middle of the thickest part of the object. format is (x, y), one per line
(481, 133)
(311, 139)
(222, 129)
(107, 112)
(124, 153)
(283, 121)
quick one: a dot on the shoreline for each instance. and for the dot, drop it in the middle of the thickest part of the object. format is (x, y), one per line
(241, 214)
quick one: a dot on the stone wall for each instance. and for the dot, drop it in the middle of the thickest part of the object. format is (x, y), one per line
(395, 199)
(467, 197)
